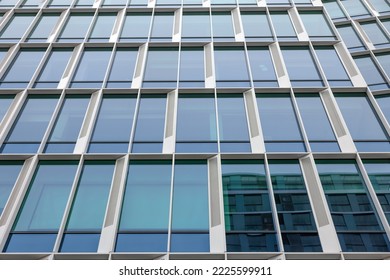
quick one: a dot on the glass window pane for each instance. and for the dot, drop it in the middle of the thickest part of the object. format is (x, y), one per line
(233, 127)
(362, 122)
(92, 68)
(22, 68)
(8, 3)
(376, 35)
(192, 72)
(351, 38)
(43, 28)
(222, 26)
(283, 26)
(251, 22)
(16, 27)
(30, 126)
(122, 69)
(83, 3)
(301, 67)
(53, 69)
(9, 172)
(68, 124)
(43, 207)
(381, 6)
(384, 104)
(5, 102)
(370, 72)
(231, 67)
(113, 125)
(332, 66)
(190, 208)
(355, 8)
(102, 28)
(59, 3)
(279, 123)
(334, 10)
(262, 67)
(162, 27)
(316, 25)
(144, 226)
(114, 3)
(196, 129)
(135, 27)
(195, 26)
(75, 28)
(149, 129)
(384, 61)
(161, 67)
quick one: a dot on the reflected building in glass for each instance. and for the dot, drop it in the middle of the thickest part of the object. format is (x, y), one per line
(194, 129)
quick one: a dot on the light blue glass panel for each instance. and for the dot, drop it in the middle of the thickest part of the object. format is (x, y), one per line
(252, 21)
(222, 26)
(386, 24)
(376, 35)
(43, 28)
(279, 123)
(190, 212)
(5, 102)
(8, 3)
(196, 122)
(370, 72)
(191, 67)
(350, 38)
(81, 3)
(384, 104)
(316, 25)
(301, 67)
(196, 26)
(75, 28)
(16, 27)
(90, 202)
(362, 122)
(384, 61)
(3, 52)
(162, 27)
(138, 3)
(102, 28)
(231, 67)
(355, 8)
(262, 67)
(45, 201)
(278, 2)
(9, 172)
(136, 27)
(149, 130)
(161, 67)
(92, 68)
(30, 126)
(332, 66)
(53, 69)
(381, 6)
(223, 2)
(334, 10)
(113, 124)
(114, 3)
(283, 26)
(22, 68)
(68, 124)
(146, 202)
(122, 69)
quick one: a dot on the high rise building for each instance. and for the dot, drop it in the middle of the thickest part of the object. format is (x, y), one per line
(194, 129)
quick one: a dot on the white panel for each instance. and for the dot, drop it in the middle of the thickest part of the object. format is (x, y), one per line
(238, 30)
(170, 123)
(261, 3)
(177, 26)
(299, 27)
(209, 66)
(117, 25)
(256, 135)
(139, 67)
(71, 65)
(363, 35)
(151, 3)
(60, 22)
(280, 68)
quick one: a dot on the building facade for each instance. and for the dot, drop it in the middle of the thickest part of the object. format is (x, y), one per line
(194, 129)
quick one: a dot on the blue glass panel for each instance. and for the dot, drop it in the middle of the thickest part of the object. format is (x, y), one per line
(191, 67)
(384, 61)
(73, 242)
(162, 27)
(102, 29)
(161, 67)
(251, 22)
(190, 242)
(5, 102)
(316, 25)
(76, 27)
(251, 242)
(283, 26)
(376, 35)
(371, 74)
(145, 242)
(262, 67)
(384, 104)
(43, 28)
(355, 8)
(9, 172)
(334, 10)
(196, 26)
(121, 74)
(222, 26)
(16, 27)
(136, 27)
(30, 242)
(350, 38)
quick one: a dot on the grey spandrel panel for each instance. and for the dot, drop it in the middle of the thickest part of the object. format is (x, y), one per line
(102, 28)
(122, 68)
(75, 27)
(16, 27)
(43, 28)
(256, 26)
(196, 26)
(53, 68)
(135, 27)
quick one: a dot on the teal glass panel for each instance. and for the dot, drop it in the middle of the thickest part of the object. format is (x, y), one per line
(313, 116)
(384, 61)
(222, 26)
(149, 129)
(233, 127)
(376, 35)
(16, 27)
(196, 124)
(379, 173)
(122, 69)
(45, 201)
(90, 202)
(5, 102)
(43, 28)
(262, 67)
(54, 68)
(68, 124)
(190, 204)
(248, 214)
(231, 67)
(136, 27)
(162, 27)
(195, 26)
(355, 8)
(279, 123)
(192, 72)
(362, 123)
(317, 26)
(352, 210)
(9, 172)
(301, 67)
(161, 67)
(102, 28)
(22, 68)
(146, 201)
(113, 124)
(283, 26)
(31, 125)
(251, 22)
(334, 10)
(332, 66)
(75, 27)
(371, 73)
(92, 68)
